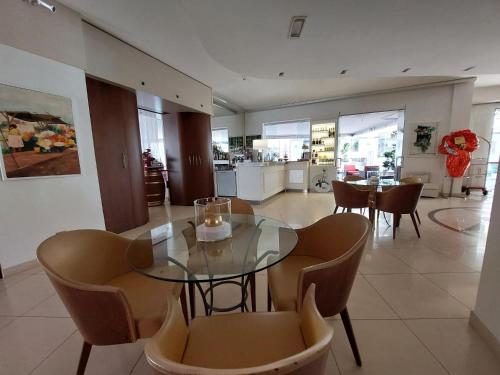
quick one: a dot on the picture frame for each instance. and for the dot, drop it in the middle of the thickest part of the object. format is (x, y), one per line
(423, 138)
(37, 135)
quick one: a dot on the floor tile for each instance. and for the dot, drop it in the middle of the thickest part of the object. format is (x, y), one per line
(387, 347)
(103, 360)
(428, 261)
(365, 303)
(24, 295)
(456, 345)
(462, 286)
(143, 368)
(379, 261)
(5, 320)
(27, 341)
(413, 296)
(51, 307)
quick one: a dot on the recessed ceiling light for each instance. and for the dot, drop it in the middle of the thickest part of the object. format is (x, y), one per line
(344, 71)
(281, 74)
(244, 78)
(296, 26)
(405, 70)
(469, 68)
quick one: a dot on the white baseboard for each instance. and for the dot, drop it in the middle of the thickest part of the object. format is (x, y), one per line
(485, 333)
(20, 267)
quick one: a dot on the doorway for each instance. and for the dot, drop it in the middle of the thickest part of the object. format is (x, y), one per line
(371, 144)
(494, 154)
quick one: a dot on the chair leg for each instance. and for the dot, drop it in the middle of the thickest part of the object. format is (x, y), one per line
(84, 358)
(252, 291)
(418, 217)
(349, 210)
(415, 224)
(343, 209)
(350, 335)
(269, 299)
(336, 209)
(394, 225)
(192, 305)
(184, 304)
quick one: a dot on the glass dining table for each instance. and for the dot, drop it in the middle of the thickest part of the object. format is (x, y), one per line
(374, 186)
(171, 252)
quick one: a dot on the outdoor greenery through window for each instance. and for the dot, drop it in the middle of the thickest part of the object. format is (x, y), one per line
(285, 139)
(220, 138)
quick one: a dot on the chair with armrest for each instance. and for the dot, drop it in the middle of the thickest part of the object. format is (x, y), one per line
(350, 169)
(400, 200)
(264, 343)
(109, 303)
(327, 254)
(413, 180)
(348, 196)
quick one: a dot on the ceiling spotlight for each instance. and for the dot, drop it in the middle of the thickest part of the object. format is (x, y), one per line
(344, 71)
(469, 68)
(296, 26)
(405, 70)
(244, 78)
(51, 8)
(281, 74)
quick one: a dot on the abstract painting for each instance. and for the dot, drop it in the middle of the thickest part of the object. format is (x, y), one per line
(423, 138)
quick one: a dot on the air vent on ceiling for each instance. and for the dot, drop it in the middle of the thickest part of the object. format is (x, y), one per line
(296, 26)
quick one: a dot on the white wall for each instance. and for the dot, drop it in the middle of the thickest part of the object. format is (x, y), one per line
(234, 124)
(34, 209)
(487, 94)
(56, 36)
(449, 105)
(487, 308)
(482, 117)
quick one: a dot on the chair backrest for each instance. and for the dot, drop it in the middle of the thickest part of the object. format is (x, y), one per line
(239, 206)
(339, 240)
(350, 168)
(411, 180)
(351, 177)
(164, 351)
(402, 199)
(348, 196)
(79, 263)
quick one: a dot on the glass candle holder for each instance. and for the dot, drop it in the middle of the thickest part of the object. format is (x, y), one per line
(212, 219)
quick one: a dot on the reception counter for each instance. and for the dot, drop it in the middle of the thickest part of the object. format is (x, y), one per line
(259, 181)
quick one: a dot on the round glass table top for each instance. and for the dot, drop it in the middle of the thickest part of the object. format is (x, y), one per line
(171, 252)
(380, 182)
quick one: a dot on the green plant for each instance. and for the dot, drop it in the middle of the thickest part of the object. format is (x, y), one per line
(390, 157)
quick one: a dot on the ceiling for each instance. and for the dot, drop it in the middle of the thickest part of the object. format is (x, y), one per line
(354, 124)
(239, 47)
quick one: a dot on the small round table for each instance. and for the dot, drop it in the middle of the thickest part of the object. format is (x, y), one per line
(171, 252)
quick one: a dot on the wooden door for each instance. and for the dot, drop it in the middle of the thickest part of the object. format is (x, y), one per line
(115, 131)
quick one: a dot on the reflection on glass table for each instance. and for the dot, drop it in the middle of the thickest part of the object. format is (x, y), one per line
(171, 252)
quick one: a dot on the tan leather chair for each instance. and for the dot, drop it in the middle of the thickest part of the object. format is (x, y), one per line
(242, 344)
(109, 303)
(327, 254)
(413, 180)
(398, 201)
(348, 197)
(239, 206)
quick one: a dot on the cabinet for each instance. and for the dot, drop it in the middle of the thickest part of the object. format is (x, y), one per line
(115, 131)
(188, 141)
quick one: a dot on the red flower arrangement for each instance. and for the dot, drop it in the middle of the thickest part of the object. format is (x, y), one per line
(458, 147)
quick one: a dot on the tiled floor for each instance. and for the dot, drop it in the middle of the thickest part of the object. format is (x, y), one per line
(410, 302)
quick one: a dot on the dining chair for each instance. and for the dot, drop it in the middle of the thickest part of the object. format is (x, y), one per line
(264, 343)
(327, 254)
(348, 197)
(413, 180)
(109, 303)
(239, 206)
(400, 200)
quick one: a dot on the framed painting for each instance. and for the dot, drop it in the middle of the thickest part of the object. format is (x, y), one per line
(423, 138)
(37, 134)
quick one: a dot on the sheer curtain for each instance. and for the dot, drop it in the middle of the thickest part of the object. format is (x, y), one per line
(151, 127)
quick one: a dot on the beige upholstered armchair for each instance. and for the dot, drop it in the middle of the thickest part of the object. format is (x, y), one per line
(327, 254)
(289, 342)
(109, 303)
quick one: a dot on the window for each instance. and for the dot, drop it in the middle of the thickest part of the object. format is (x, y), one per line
(495, 139)
(151, 128)
(220, 137)
(287, 138)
